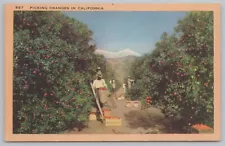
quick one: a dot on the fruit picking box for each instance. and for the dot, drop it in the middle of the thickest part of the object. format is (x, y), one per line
(106, 112)
(200, 128)
(113, 121)
(136, 104)
(128, 104)
(120, 98)
(92, 116)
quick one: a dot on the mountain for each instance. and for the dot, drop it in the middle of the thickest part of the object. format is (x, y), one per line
(119, 62)
(119, 54)
(121, 66)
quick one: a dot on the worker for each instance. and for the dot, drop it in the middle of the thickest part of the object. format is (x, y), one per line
(113, 83)
(101, 90)
(129, 82)
(98, 72)
(124, 89)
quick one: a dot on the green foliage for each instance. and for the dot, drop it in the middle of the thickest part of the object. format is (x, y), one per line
(178, 74)
(53, 65)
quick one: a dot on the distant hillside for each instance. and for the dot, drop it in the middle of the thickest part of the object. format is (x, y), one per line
(121, 66)
(119, 54)
(120, 62)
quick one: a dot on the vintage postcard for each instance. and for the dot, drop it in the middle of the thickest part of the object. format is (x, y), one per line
(112, 72)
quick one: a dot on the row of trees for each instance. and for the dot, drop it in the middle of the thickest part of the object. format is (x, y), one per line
(53, 65)
(178, 74)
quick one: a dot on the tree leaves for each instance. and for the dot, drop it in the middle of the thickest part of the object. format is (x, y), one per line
(52, 68)
(179, 71)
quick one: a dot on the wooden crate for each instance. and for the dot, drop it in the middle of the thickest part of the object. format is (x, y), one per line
(136, 104)
(208, 130)
(113, 121)
(128, 104)
(92, 116)
(121, 98)
(106, 112)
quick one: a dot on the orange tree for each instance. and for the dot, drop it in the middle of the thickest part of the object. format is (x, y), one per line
(178, 74)
(53, 65)
(196, 40)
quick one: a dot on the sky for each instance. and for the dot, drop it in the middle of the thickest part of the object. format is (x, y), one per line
(138, 31)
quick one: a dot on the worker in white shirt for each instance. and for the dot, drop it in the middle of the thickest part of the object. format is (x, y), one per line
(124, 88)
(129, 82)
(99, 72)
(101, 90)
(113, 83)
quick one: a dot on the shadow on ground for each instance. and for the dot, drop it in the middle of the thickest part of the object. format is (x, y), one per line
(143, 119)
(147, 119)
(150, 119)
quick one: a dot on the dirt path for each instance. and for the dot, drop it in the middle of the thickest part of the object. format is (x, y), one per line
(134, 120)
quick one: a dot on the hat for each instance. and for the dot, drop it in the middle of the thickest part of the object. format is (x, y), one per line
(98, 68)
(128, 76)
(99, 75)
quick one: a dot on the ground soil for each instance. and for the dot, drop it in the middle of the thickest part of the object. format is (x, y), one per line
(134, 120)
